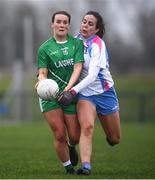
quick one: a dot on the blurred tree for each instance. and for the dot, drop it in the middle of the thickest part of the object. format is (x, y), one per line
(3, 29)
(146, 31)
(129, 29)
(133, 51)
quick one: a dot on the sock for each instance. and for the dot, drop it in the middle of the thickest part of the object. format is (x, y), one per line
(86, 165)
(68, 165)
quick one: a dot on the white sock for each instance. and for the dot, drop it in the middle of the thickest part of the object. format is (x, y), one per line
(66, 163)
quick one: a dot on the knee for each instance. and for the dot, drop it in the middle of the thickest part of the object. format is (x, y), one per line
(60, 137)
(87, 129)
(113, 140)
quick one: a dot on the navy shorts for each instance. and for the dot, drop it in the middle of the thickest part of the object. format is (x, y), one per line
(105, 103)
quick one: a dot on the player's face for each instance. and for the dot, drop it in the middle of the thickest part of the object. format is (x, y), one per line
(60, 26)
(88, 26)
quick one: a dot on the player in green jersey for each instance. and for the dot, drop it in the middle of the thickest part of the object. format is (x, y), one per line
(60, 58)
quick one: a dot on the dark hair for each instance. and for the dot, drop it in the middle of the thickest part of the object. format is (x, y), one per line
(100, 24)
(61, 12)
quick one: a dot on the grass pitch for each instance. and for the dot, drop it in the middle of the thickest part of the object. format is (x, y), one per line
(26, 151)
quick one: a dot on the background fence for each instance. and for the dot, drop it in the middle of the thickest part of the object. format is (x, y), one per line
(137, 107)
(24, 107)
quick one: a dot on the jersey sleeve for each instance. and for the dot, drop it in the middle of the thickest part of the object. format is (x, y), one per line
(79, 51)
(43, 59)
(90, 78)
(98, 55)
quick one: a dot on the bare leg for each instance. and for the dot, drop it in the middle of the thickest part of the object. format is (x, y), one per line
(87, 116)
(73, 131)
(111, 126)
(73, 128)
(55, 120)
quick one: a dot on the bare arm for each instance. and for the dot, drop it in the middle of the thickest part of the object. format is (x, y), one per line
(42, 74)
(75, 75)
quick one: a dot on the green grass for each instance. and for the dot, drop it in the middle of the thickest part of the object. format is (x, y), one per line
(26, 151)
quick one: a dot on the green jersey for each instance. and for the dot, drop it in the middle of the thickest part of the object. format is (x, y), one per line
(59, 59)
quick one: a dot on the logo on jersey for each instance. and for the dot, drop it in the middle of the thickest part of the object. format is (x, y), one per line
(64, 63)
(64, 50)
(54, 52)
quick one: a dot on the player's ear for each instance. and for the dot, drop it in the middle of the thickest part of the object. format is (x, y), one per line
(52, 25)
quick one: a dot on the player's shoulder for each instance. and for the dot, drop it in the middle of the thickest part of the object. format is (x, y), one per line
(98, 42)
(96, 39)
(75, 39)
(45, 44)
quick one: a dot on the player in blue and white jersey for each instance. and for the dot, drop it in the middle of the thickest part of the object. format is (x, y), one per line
(95, 74)
(96, 93)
